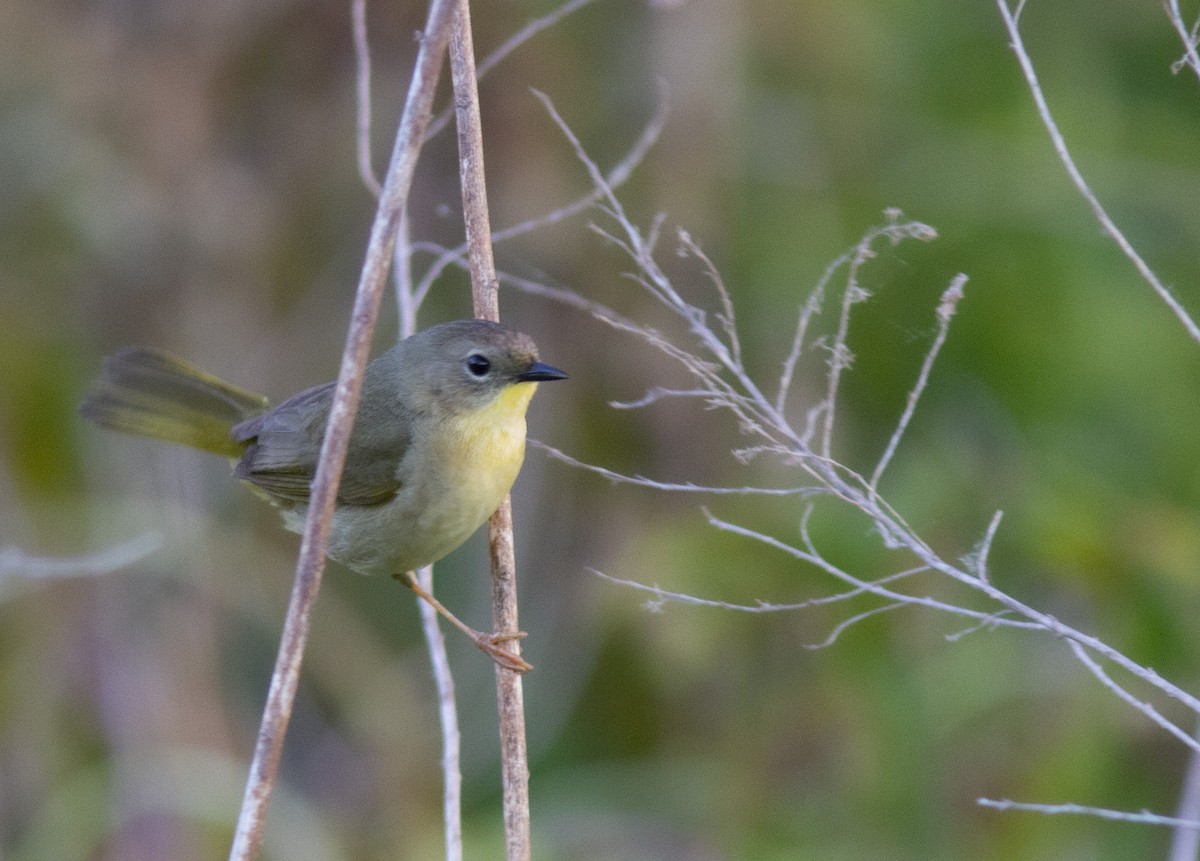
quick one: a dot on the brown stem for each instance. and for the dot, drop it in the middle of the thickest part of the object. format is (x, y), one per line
(484, 287)
(510, 697)
(485, 293)
(311, 563)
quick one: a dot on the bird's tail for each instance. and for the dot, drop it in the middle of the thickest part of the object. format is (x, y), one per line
(153, 394)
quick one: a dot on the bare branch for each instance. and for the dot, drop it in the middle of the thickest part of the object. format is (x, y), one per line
(721, 380)
(686, 487)
(1011, 22)
(1140, 705)
(840, 355)
(1186, 35)
(841, 627)
(662, 597)
(977, 560)
(510, 44)
(439, 661)
(311, 563)
(811, 556)
(17, 563)
(726, 318)
(435, 641)
(615, 178)
(945, 311)
(1142, 817)
(1185, 842)
(485, 294)
(362, 89)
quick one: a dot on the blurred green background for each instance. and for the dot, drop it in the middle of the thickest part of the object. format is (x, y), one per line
(181, 174)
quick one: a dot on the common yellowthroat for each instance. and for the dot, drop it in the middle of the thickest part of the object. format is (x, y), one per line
(437, 442)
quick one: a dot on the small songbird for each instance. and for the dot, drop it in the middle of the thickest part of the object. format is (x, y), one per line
(437, 442)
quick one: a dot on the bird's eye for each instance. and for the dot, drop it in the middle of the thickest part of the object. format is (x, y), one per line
(478, 365)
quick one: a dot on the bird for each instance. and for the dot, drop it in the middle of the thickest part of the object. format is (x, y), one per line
(437, 443)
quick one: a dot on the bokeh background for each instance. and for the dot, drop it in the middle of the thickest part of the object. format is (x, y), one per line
(181, 174)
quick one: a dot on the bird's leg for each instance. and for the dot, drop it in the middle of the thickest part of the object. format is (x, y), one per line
(489, 643)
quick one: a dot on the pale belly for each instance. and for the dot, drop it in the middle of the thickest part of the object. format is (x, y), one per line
(447, 493)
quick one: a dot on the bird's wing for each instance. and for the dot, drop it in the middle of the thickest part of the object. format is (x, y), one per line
(284, 444)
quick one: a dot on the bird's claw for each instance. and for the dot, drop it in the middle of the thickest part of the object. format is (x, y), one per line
(493, 645)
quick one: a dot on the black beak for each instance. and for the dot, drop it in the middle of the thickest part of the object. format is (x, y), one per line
(539, 372)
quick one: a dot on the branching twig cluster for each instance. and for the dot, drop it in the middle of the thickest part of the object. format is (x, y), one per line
(711, 354)
(1185, 845)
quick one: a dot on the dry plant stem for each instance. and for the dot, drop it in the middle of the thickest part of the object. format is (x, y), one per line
(1188, 36)
(485, 293)
(1185, 842)
(513, 42)
(310, 566)
(484, 287)
(1141, 817)
(16, 563)
(439, 661)
(721, 381)
(1012, 18)
(946, 308)
(510, 695)
(616, 177)
(435, 641)
(740, 395)
(362, 57)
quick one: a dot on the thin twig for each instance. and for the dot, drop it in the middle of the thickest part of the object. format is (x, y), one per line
(1012, 19)
(874, 587)
(659, 393)
(1142, 706)
(945, 311)
(311, 562)
(526, 33)
(726, 317)
(1185, 842)
(516, 40)
(841, 627)
(977, 560)
(840, 355)
(615, 178)
(685, 487)
(663, 597)
(435, 641)
(439, 660)
(362, 89)
(988, 624)
(1143, 817)
(17, 563)
(486, 300)
(1186, 35)
(810, 308)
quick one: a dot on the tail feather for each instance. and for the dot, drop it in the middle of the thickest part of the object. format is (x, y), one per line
(153, 394)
